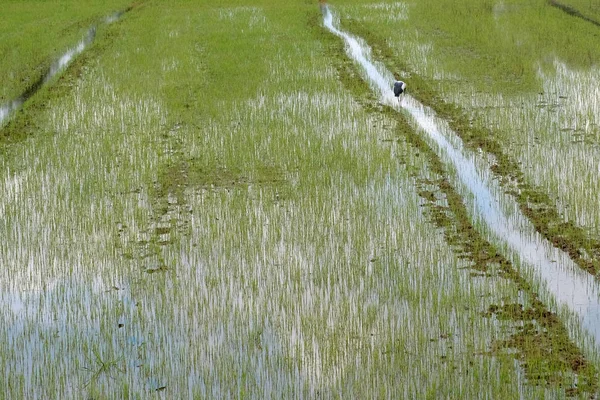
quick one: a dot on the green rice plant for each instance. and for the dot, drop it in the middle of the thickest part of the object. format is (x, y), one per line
(586, 10)
(208, 203)
(35, 34)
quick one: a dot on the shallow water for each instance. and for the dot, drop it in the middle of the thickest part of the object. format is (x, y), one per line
(9, 108)
(554, 135)
(314, 294)
(570, 286)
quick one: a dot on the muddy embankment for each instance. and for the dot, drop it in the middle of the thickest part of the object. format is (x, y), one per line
(541, 339)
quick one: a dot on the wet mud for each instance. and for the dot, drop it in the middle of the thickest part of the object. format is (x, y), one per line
(540, 339)
(549, 358)
(180, 176)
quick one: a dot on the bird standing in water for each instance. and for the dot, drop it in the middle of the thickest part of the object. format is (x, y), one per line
(399, 88)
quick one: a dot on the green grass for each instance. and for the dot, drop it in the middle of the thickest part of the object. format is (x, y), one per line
(587, 10)
(497, 46)
(208, 204)
(36, 33)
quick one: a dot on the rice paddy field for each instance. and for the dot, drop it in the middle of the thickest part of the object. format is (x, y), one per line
(35, 33)
(224, 200)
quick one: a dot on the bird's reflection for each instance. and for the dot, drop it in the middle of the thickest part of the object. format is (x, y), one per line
(323, 6)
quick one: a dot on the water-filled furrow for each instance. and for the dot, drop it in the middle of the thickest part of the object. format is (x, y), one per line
(498, 212)
(57, 66)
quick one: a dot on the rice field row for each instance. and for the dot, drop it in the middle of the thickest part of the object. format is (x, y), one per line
(448, 212)
(207, 204)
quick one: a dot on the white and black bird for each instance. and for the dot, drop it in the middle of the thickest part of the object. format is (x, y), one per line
(399, 88)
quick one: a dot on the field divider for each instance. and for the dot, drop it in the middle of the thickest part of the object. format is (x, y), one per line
(447, 210)
(572, 11)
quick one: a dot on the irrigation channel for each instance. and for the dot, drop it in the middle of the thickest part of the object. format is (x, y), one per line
(57, 66)
(490, 206)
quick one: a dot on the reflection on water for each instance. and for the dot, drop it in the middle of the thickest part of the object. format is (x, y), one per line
(56, 67)
(66, 58)
(570, 286)
(8, 108)
(323, 5)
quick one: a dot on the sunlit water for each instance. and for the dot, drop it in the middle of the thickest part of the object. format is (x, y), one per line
(570, 286)
(8, 108)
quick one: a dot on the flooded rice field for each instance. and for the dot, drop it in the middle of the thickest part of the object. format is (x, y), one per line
(225, 200)
(568, 286)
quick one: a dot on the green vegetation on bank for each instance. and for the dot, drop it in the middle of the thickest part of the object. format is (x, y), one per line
(487, 44)
(582, 247)
(33, 34)
(538, 339)
(587, 10)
